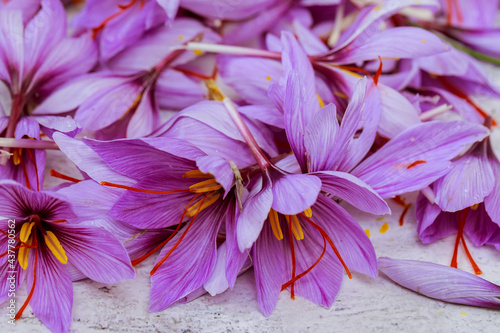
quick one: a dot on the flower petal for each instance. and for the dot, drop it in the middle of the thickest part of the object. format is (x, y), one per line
(392, 170)
(294, 193)
(190, 264)
(470, 180)
(253, 215)
(52, 299)
(441, 282)
(353, 190)
(95, 252)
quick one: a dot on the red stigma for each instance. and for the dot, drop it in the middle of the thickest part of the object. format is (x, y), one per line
(414, 164)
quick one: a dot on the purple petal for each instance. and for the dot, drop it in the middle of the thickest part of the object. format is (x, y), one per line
(253, 216)
(441, 282)
(323, 282)
(190, 264)
(400, 43)
(11, 30)
(491, 201)
(18, 201)
(398, 113)
(50, 125)
(176, 91)
(294, 193)
(74, 93)
(217, 283)
(399, 167)
(219, 168)
(227, 10)
(353, 190)
(470, 180)
(479, 226)
(235, 259)
(88, 161)
(320, 139)
(350, 239)
(259, 74)
(145, 118)
(95, 252)
(52, 299)
(134, 158)
(432, 223)
(269, 269)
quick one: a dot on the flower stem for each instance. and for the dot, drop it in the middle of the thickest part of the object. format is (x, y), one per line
(15, 114)
(27, 143)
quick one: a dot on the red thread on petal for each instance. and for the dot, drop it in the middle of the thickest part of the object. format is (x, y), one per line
(379, 71)
(414, 164)
(59, 175)
(26, 302)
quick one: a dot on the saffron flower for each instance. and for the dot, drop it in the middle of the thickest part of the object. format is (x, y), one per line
(45, 242)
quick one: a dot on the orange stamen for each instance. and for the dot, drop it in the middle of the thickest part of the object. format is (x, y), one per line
(456, 91)
(25, 174)
(355, 69)
(26, 302)
(379, 72)
(414, 164)
(192, 74)
(399, 201)
(122, 8)
(402, 217)
(334, 248)
(301, 275)
(36, 169)
(155, 268)
(140, 189)
(147, 255)
(57, 174)
(292, 250)
(461, 216)
(477, 271)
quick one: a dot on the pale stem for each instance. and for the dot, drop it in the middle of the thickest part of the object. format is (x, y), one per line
(228, 49)
(337, 25)
(429, 194)
(257, 152)
(428, 115)
(27, 143)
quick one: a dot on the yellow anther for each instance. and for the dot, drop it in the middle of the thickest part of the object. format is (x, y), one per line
(16, 159)
(55, 247)
(205, 186)
(384, 228)
(26, 231)
(474, 207)
(275, 224)
(214, 93)
(180, 37)
(268, 78)
(296, 228)
(320, 100)
(198, 52)
(196, 174)
(367, 232)
(308, 212)
(209, 200)
(23, 255)
(341, 95)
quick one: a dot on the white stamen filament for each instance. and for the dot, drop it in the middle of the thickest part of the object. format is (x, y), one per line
(429, 194)
(337, 25)
(428, 115)
(239, 50)
(27, 143)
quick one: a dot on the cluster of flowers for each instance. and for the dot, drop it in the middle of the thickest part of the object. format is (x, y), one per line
(283, 110)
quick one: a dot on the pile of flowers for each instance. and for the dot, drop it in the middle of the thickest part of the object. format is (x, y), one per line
(222, 136)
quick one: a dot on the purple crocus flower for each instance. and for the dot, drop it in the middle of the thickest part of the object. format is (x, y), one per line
(465, 202)
(177, 184)
(287, 204)
(44, 241)
(441, 282)
(133, 87)
(35, 58)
